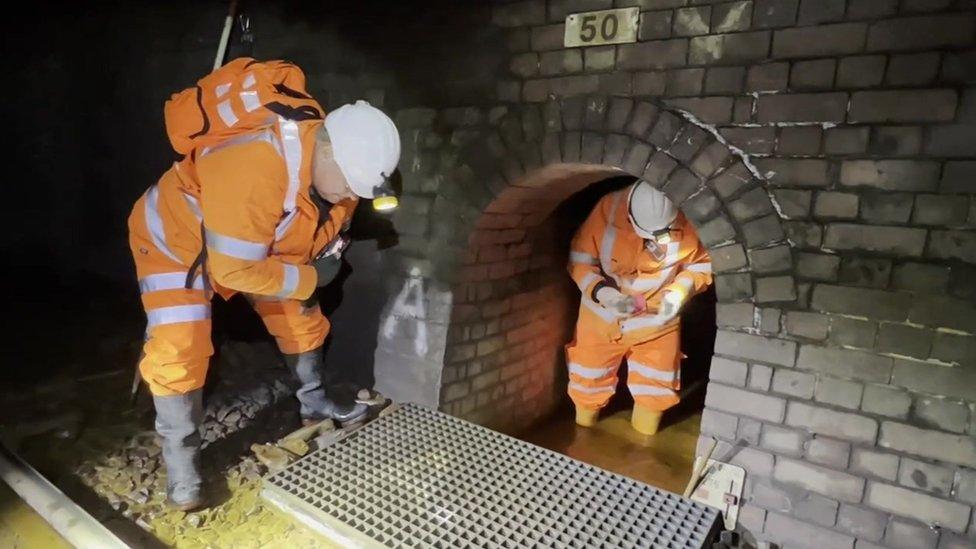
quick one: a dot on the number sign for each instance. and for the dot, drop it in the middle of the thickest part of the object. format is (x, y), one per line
(594, 28)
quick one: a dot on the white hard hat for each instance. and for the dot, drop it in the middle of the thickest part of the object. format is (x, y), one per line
(650, 209)
(366, 146)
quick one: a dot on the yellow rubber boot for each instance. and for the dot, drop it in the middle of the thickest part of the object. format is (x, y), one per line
(586, 417)
(645, 421)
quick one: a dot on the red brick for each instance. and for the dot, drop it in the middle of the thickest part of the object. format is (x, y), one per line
(465, 313)
(520, 250)
(507, 236)
(504, 269)
(470, 257)
(474, 273)
(492, 253)
(499, 221)
(496, 308)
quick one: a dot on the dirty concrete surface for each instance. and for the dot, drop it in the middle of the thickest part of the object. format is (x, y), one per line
(86, 436)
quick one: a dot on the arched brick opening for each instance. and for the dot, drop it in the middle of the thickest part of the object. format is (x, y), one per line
(504, 343)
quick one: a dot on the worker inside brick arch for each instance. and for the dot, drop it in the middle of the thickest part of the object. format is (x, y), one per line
(257, 204)
(637, 260)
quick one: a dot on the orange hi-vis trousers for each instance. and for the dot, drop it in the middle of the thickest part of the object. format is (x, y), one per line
(178, 347)
(653, 366)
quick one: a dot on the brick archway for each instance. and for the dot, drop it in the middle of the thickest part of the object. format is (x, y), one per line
(498, 357)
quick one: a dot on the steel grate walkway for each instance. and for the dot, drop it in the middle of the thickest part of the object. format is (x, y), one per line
(420, 478)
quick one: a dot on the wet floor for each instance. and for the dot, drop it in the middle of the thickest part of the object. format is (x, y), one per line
(663, 460)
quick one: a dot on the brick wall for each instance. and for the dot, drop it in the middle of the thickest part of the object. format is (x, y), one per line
(824, 150)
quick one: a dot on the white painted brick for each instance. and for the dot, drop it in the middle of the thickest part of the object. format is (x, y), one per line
(948, 540)
(845, 363)
(846, 394)
(861, 522)
(964, 486)
(793, 383)
(959, 449)
(939, 413)
(825, 451)
(760, 377)
(906, 535)
(769, 497)
(874, 463)
(832, 423)
(790, 532)
(748, 431)
(886, 401)
(908, 503)
(719, 424)
(925, 476)
(752, 517)
(755, 462)
(782, 441)
(755, 348)
(816, 509)
(730, 372)
(833, 484)
(737, 401)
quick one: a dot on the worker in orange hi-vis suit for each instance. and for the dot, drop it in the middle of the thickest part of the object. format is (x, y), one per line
(636, 260)
(257, 204)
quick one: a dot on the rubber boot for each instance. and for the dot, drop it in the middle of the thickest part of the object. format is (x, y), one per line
(645, 421)
(315, 405)
(178, 419)
(586, 417)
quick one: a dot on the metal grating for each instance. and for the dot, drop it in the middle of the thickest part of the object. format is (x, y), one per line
(420, 478)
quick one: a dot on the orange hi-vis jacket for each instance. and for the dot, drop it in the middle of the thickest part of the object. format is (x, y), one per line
(607, 250)
(247, 183)
(238, 202)
(251, 195)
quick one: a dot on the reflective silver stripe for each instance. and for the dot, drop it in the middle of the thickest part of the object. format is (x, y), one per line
(155, 223)
(178, 313)
(292, 145)
(652, 373)
(588, 373)
(167, 281)
(645, 284)
(222, 89)
(267, 136)
(590, 278)
(699, 267)
(583, 258)
(284, 224)
(250, 100)
(226, 113)
(609, 236)
(194, 206)
(640, 322)
(248, 80)
(598, 310)
(290, 282)
(685, 282)
(649, 390)
(235, 247)
(573, 386)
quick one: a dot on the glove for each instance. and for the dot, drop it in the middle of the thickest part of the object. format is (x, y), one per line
(621, 305)
(670, 306)
(326, 269)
